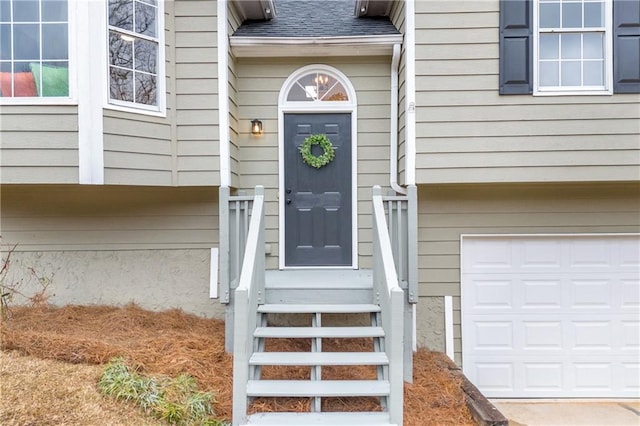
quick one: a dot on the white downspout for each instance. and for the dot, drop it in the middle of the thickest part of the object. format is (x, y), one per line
(223, 95)
(393, 126)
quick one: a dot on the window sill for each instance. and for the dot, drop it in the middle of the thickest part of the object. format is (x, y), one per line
(37, 101)
(125, 108)
(574, 93)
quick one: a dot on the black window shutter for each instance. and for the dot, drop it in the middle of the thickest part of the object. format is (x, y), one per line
(516, 47)
(626, 46)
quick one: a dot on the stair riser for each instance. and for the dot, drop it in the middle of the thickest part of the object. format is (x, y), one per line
(333, 296)
(328, 320)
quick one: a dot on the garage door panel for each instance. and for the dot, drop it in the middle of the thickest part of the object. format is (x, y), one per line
(531, 378)
(630, 294)
(531, 333)
(562, 320)
(550, 254)
(545, 292)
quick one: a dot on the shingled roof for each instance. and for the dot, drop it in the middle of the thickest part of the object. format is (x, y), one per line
(316, 18)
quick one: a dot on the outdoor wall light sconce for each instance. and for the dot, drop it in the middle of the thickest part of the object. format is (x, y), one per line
(256, 127)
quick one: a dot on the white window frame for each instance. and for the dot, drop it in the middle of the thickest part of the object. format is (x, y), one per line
(158, 110)
(608, 56)
(58, 100)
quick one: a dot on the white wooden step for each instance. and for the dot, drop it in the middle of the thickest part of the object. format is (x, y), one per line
(319, 358)
(283, 308)
(304, 332)
(310, 388)
(320, 419)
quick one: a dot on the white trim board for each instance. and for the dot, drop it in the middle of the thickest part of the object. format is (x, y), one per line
(252, 47)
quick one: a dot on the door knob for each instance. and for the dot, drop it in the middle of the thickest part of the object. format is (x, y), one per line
(288, 200)
(288, 190)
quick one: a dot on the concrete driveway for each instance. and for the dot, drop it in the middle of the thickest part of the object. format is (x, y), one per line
(521, 412)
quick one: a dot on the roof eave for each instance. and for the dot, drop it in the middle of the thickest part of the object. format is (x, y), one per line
(257, 47)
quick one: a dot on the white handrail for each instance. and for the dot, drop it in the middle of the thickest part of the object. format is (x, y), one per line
(390, 296)
(248, 295)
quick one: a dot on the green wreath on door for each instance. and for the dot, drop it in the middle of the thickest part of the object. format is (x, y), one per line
(317, 161)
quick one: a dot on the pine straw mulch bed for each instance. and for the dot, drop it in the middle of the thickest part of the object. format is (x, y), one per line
(172, 342)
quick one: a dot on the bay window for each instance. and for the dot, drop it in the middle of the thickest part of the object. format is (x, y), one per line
(34, 48)
(134, 53)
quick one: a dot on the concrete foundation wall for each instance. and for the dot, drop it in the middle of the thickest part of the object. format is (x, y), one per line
(153, 279)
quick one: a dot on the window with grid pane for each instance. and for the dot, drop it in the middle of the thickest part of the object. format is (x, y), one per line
(34, 48)
(133, 53)
(572, 42)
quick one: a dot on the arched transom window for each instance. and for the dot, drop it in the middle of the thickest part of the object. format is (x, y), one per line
(317, 86)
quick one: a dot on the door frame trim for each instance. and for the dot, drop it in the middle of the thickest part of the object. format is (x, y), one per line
(349, 107)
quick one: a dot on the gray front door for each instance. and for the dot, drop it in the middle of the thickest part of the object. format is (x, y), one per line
(317, 209)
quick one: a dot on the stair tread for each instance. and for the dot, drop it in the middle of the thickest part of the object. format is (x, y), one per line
(320, 419)
(319, 358)
(311, 388)
(345, 308)
(302, 332)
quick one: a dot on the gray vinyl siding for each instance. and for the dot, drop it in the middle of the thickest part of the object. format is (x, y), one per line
(85, 218)
(259, 83)
(38, 144)
(397, 16)
(181, 149)
(448, 211)
(467, 133)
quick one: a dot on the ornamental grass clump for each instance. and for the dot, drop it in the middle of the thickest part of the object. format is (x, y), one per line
(176, 400)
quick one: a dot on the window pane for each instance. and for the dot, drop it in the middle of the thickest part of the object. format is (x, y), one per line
(26, 11)
(570, 75)
(146, 55)
(571, 48)
(121, 84)
(594, 14)
(571, 15)
(549, 46)
(5, 42)
(593, 73)
(6, 84)
(54, 10)
(298, 93)
(549, 73)
(336, 93)
(120, 50)
(54, 41)
(145, 89)
(5, 11)
(26, 41)
(52, 78)
(550, 15)
(24, 82)
(145, 19)
(593, 46)
(121, 14)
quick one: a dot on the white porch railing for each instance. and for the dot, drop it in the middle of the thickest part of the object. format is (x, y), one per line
(390, 296)
(248, 295)
(402, 220)
(234, 228)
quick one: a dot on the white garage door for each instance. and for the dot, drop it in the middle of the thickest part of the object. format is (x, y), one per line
(552, 316)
